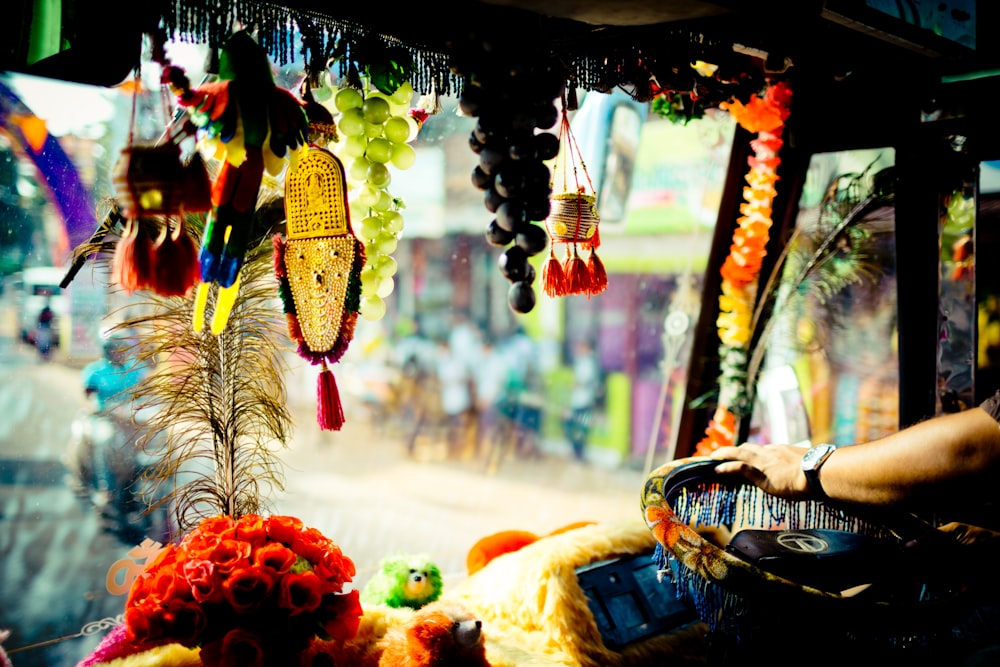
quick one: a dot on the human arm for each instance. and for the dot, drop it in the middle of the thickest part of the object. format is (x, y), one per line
(962, 447)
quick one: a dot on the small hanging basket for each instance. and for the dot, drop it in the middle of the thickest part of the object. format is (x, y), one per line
(154, 180)
(573, 218)
(573, 222)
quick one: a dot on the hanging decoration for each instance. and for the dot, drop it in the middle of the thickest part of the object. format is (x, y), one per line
(253, 126)
(573, 222)
(765, 116)
(155, 189)
(512, 94)
(318, 268)
(375, 127)
(376, 131)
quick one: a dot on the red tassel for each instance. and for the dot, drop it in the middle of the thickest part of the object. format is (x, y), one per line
(121, 264)
(553, 278)
(132, 265)
(329, 411)
(175, 262)
(598, 274)
(577, 275)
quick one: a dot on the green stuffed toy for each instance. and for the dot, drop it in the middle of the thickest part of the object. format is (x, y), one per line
(404, 580)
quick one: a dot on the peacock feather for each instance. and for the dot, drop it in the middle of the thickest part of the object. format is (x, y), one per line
(218, 417)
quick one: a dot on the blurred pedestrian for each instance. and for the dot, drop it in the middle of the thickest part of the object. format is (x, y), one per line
(456, 398)
(491, 382)
(584, 397)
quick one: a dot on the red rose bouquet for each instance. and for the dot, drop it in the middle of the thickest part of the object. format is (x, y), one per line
(248, 591)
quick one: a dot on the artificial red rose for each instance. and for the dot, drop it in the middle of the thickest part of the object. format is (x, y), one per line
(147, 623)
(335, 567)
(284, 529)
(167, 583)
(341, 614)
(200, 545)
(250, 528)
(300, 592)
(239, 648)
(222, 525)
(201, 577)
(230, 555)
(186, 620)
(275, 556)
(247, 588)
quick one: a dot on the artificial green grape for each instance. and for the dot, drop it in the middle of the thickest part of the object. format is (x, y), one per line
(397, 130)
(403, 156)
(378, 176)
(370, 227)
(379, 150)
(385, 266)
(358, 170)
(385, 287)
(383, 203)
(348, 98)
(372, 308)
(354, 146)
(376, 109)
(351, 122)
(403, 94)
(392, 222)
(369, 280)
(414, 128)
(368, 195)
(386, 242)
(373, 130)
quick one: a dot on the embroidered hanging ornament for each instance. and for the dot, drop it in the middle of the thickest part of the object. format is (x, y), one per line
(155, 188)
(573, 223)
(318, 267)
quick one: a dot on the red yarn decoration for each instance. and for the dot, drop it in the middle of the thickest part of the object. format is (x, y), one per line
(175, 265)
(132, 265)
(577, 275)
(598, 274)
(553, 278)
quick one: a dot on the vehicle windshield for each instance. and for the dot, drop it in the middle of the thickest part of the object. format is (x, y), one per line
(457, 407)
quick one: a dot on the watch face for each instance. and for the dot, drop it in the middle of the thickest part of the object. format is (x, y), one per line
(816, 455)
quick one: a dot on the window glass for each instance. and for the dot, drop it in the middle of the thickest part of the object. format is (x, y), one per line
(828, 363)
(72, 530)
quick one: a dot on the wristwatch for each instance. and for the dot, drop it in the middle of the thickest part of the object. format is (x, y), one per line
(812, 461)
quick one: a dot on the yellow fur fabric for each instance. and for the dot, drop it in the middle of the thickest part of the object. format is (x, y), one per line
(170, 655)
(534, 611)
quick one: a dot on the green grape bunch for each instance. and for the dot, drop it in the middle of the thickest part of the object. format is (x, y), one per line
(375, 131)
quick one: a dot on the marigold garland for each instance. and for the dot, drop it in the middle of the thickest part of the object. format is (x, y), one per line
(765, 115)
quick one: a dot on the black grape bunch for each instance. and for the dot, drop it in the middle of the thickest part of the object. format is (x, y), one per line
(513, 98)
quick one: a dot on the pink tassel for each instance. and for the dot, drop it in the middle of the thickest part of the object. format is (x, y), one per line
(329, 411)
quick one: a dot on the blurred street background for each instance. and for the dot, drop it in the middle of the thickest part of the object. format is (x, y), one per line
(375, 488)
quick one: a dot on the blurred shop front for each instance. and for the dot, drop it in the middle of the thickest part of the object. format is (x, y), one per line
(659, 184)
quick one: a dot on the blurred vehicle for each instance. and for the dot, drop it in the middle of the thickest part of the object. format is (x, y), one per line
(33, 289)
(106, 456)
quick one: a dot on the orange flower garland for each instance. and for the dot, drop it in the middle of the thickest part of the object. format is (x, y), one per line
(765, 116)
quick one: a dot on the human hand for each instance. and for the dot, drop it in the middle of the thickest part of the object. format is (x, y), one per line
(776, 469)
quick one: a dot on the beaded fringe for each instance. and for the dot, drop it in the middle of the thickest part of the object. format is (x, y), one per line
(591, 64)
(712, 504)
